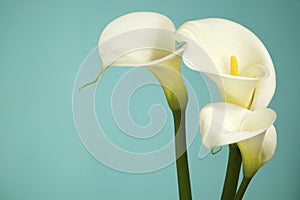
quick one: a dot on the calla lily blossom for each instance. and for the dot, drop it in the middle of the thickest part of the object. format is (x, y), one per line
(245, 77)
(226, 43)
(225, 123)
(146, 39)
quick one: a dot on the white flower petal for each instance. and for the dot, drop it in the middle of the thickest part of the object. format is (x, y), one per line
(269, 145)
(225, 123)
(217, 118)
(134, 21)
(256, 151)
(258, 119)
(136, 38)
(236, 136)
(253, 124)
(146, 39)
(221, 39)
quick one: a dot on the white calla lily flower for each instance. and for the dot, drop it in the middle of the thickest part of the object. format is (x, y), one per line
(253, 131)
(225, 123)
(145, 39)
(253, 84)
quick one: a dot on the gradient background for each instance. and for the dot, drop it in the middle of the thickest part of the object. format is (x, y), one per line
(43, 43)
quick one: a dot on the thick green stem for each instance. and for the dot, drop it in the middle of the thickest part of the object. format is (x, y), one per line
(242, 188)
(233, 173)
(184, 185)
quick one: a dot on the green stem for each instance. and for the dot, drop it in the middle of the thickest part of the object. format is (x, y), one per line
(233, 173)
(182, 167)
(242, 188)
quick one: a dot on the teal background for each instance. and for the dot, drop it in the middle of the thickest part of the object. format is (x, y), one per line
(43, 43)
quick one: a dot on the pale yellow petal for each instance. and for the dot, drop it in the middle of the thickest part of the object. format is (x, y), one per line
(221, 39)
(136, 38)
(256, 151)
(225, 123)
(269, 145)
(217, 119)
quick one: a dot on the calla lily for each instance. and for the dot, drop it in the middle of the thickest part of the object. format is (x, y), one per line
(245, 76)
(221, 39)
(145, 39)
(225, 123)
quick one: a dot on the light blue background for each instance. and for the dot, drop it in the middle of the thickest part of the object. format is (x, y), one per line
(43, 43)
